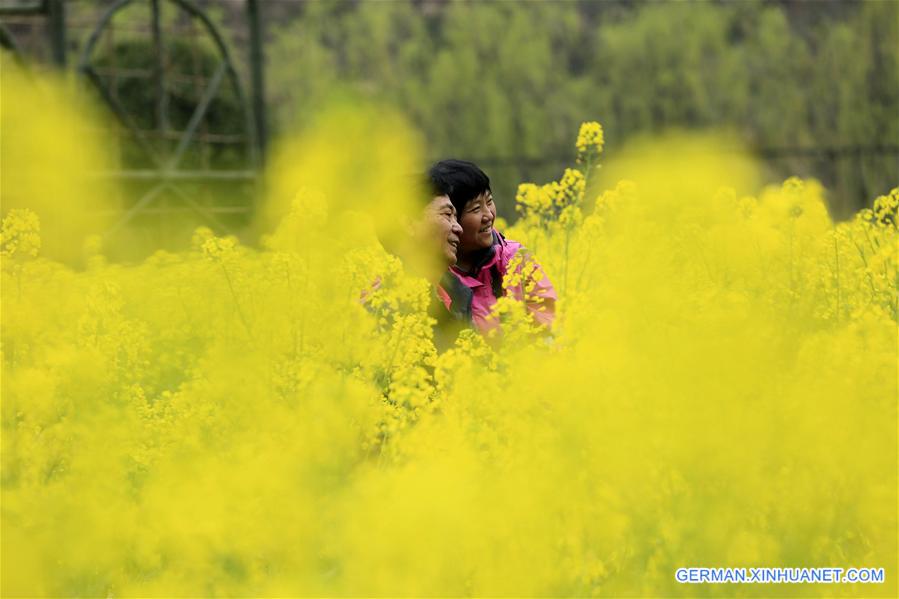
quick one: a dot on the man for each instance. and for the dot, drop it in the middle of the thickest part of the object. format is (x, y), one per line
(428, 248)
(439, 230)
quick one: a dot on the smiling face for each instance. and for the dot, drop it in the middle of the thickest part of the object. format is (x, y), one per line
(477, 223)
(444, 230)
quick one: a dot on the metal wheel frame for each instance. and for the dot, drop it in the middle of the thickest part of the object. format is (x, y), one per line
(167, 170)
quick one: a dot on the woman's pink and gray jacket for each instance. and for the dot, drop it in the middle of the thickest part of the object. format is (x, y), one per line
(471, 295)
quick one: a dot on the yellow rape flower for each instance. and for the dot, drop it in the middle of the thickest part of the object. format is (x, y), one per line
(886, 208)
(219, 249)
(589, 141)
(20, 235)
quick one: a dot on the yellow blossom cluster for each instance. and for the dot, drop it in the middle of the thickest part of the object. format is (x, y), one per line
(589, 142)
(20, 236)
(219, 248)
(556, 204)
(886, 208)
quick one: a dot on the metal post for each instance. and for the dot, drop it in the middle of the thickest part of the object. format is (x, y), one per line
(158, 76)
(56, 28)
(257, 65)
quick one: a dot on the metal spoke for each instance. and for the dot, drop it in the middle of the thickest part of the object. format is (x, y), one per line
(120, 113)
(208, 95)
(142, 203)
(213, 219)
(161, 96)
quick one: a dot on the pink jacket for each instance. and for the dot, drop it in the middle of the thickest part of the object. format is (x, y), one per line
(481, 288)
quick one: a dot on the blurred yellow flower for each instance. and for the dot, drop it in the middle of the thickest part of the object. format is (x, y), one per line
(20, 235)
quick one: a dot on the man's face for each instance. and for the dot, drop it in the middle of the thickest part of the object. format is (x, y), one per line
(445, 231)
(477, 223)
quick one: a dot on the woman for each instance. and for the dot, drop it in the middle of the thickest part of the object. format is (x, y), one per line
(485, 257)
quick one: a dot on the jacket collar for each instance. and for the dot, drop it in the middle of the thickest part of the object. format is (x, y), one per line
(483, 259)
(456, 296)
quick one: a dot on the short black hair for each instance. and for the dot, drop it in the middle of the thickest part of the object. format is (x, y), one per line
(461, 180)
(435, 186)
(425, 187)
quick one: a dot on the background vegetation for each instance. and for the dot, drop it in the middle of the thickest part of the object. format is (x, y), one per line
(811, 87)
(505, 82)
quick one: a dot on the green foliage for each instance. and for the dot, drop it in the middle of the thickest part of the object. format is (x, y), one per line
(504, 79)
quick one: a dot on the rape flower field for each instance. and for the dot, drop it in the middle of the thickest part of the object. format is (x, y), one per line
(720, 388)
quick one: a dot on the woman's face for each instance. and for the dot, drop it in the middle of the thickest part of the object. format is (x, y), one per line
(477, 223)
